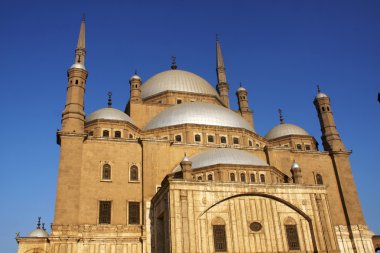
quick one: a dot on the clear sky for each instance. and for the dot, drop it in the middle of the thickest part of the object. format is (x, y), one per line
(279, 50)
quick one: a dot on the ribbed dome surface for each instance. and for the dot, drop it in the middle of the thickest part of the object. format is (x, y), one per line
(176, 80)
(223, 156)
(109, 113)
(198, 113)
(283, 130)
(38, 233)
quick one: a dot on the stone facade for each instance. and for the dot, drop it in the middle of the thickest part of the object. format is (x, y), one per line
(122, 188)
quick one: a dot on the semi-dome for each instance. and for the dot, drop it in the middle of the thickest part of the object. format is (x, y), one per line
(110, 114)
(198, 113)
(38, 232)
(228, 156)
(285, 129)
(176, 80)
(78, 66)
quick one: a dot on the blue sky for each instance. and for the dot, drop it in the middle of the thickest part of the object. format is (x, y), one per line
(279, 50)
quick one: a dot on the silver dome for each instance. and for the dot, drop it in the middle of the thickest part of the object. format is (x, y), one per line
(198, 113)
(321, 95)
(109, 113)
(283, 130)
(176, 80)
(135, 77)
(223, 156)
(241, 88)
(38, 233)
(78, 66)
(295, 166)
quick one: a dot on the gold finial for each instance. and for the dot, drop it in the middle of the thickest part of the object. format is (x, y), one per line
(109, 99)
(174, 63)
(281, 116)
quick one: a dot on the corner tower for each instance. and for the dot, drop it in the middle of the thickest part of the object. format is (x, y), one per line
(73, 114)
(330, 137)
(222, 85)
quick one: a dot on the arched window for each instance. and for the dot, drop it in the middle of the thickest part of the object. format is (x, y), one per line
(106, 172)
(250, 143)
(178, 138)
(117, 134)
(91, 133)
(210, 138)
(232, 177)
(133, 173)
(299, 146)
(223, 139)
(219, 234)
(328, 108)
(292, 234)
(262, 178)
(253, 178)
(257, 145)
(130, 136)
(106, 133)
(209, 177)
(200, 178)
(323, 108)
(235, 140)
(307, 147)
(197, 138)
(319, 179)
(242, 177)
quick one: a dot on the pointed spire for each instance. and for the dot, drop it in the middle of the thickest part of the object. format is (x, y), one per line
(80, 51)
(109, 99)
(174, 63)
(281, 116)
(220, 69)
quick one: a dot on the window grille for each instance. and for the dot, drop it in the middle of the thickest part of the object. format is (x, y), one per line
(106, 133)
(104, 212)
(220, 242)
(209, 177)
(232, 177)
(253, 178)
(210, 138)
(242, 177)
(106, 173)
(235, 140)
(319, 179)
(117, 134)
(134, 213)
(292, 236)
(197, 138)
(262, 178)
(178, 138)
(223, 139)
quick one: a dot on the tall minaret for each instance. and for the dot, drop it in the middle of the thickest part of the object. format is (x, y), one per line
(73, 115)
(222, 85)
(330, 137)
(71, 139)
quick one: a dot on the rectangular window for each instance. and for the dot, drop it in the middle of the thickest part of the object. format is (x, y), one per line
(292, 236)
(220, 242)
(307, 147)
(105, 212)
(223, 139)
(235, 140)
(134, 212)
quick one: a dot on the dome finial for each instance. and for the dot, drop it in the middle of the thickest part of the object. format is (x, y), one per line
(83, 17)
(109, 99)
(135, 71)
(174, 63)
(217, 37)
(39, 223)
(281, 116)
(43, 226)
(318, 88)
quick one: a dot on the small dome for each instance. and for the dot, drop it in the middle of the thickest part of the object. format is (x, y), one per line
(295, 166)
(321, 95)
(176, 80)
(78, 66)
(135, 77)
(38, 233)
(198, 113)
(223, 156)
(284, 130)
(241, 88)
(110, 114)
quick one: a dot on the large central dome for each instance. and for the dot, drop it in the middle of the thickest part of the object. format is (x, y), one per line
(198, 113)
(176, 80)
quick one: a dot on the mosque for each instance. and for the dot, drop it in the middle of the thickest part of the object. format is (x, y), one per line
(180, 171)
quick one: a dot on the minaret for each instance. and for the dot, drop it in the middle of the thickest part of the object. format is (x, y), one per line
(73, 115)
(297, 173)
(222, 85)
(330, 137)
(135, 88)
(242, 96)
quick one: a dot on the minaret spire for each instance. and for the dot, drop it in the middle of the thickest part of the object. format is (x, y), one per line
(80, 51)
(220, 68)
(281, 116)
(222, 85)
